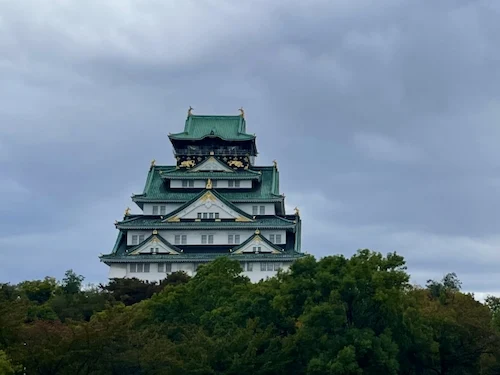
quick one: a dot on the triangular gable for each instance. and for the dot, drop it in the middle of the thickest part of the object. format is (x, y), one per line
(209, 201)
(158, 244)
(257, 244)
(211, 165)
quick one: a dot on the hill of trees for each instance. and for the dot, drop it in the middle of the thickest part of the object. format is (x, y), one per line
(333, 316)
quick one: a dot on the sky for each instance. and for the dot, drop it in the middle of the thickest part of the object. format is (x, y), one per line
(383, 117)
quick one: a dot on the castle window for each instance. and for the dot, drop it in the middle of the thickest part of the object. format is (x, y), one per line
(216, 215)
(262, 210)
(141, 238)
(256, 249)
(255, 210)
(249, 267)
(187, 183)
(263, 266)
(210, 215)
(163, 210)
(233, 239)
(180, 239)
(214, 183)
(139, 267)
(205, 215)
(233, 183)
(155, 210)
(199, 215)
(207, 238)
(164, 267)
(135, 239)
(275, 238)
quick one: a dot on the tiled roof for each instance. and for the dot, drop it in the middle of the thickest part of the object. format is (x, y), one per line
(199, 257)
(186, 175)
(218, 196)
(262, 238)
(157, 190)
(157, 222)
(164, 241)
(229, 128)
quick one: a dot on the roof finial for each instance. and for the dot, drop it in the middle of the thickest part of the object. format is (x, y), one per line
(190, 111)
(209, 184)
(275, 164)
(297, 211)
(242, 111)
(127, 211)
(152, 163)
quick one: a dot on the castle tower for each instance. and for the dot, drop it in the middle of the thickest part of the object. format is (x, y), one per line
(213, 202)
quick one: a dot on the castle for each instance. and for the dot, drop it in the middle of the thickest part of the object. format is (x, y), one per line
(213, 202)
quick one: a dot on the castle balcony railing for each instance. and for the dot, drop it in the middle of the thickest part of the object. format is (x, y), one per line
(207, 151)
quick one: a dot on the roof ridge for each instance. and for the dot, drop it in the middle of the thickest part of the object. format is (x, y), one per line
(217, 195)
(265, 240)
(132, 249)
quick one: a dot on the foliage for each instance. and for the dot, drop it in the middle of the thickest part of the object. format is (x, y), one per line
(334, 316)
(6, 367)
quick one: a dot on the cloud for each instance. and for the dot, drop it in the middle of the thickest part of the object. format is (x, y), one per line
(383, 148)
(11, 187)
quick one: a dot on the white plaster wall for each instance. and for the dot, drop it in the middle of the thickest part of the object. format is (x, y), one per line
(214, 205)
(267, 233)
(256, 274)
(148, 207)
(247, 207)
(244, 184)
(197, 184)
(121, 270)
(130, 233)
(220, 236)
(194, 236)
(118, 270)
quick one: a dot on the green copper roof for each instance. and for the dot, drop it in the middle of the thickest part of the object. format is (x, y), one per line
(218, 196)
(157, 222)
(188, 175)
(228, 128)
(160, 238)
(183, 258)
(263, 238)
(157, 190)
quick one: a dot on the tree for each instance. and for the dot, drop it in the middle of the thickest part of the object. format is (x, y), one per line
(39, 291)
(71, 283)
(6, 367)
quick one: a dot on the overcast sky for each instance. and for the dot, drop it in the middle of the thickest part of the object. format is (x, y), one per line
(383, 116)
